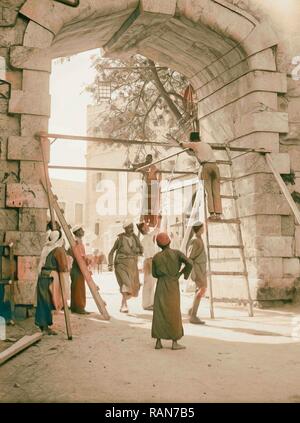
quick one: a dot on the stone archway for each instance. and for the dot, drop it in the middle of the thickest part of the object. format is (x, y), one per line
(229, 57)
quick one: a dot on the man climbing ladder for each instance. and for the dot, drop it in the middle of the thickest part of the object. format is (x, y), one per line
(210, 173)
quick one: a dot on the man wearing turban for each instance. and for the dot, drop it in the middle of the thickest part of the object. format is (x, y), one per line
(168, 266)
(124, 257)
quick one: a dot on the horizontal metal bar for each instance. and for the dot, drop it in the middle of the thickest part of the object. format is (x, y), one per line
(104, 140)
(109, 169)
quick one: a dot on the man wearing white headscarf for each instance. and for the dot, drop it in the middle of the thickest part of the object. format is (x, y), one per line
(52, 266)
(126, 249)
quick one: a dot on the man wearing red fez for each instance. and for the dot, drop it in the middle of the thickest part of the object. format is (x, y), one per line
(168, 266)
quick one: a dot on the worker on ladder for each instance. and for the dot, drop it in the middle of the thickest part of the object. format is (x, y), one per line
(210, 173)
(151, 192)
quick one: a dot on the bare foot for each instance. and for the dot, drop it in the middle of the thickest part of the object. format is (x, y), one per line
(176, 346)
(158, 345)
(124, 309)
(50, 331)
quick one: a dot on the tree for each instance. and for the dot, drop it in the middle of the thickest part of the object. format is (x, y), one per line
(146, 99)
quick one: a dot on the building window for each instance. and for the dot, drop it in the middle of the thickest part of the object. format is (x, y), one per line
(78, 213)
(97, 228)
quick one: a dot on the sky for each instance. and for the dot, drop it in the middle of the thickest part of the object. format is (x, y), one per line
(68, 112)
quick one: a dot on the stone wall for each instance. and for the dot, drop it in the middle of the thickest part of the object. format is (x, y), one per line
(240, 67)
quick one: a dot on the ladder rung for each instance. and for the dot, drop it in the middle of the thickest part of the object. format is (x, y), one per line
(228, 273)
(226, 246)
(225, 221)
(230, 197)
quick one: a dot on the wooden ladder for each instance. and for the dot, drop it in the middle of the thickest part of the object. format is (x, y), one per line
(239, 246)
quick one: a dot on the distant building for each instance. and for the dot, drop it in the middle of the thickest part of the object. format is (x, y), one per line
(71, 198)
(119, 191)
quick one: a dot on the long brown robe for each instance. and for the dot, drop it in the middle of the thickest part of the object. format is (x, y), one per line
(78, 293)
(166, 266)
(56, 262)
(127, 249)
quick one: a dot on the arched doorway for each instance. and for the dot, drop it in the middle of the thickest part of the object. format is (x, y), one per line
(229, 59)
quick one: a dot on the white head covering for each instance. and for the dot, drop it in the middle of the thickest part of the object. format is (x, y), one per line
(76, 228)
(127, 222)
(53, 241)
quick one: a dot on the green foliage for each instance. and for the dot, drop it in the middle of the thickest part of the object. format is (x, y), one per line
(140, 107)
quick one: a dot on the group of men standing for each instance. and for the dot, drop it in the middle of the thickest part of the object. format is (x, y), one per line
(162, 270)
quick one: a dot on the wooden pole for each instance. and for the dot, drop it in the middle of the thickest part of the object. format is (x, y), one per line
(80, 261)
(19, 346)
(283, 188)
(44, 143)
(108, 169)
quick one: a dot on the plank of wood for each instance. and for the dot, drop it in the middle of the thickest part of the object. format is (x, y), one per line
(283, 188)
(22, 344)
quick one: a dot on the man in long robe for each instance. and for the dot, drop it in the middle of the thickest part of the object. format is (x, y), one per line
(126, 250)
(150, 249)
(78, 292)
(167, 268)
(53, 265)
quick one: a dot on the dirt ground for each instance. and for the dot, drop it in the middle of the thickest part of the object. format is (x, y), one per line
(233, 358)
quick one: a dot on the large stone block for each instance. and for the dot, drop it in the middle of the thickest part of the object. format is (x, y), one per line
(13, 35)
(167, 7)
(29, 58)
(9, 171)
(9, 125)
(30, 103)
(267, 140)
(32, 220)
(287, 225)
(8, 220)
(8, 15)
(31, 125)
(48, 14)
(265, 267)
(282, 162)
(249, 83)
(31, 172)
(263, 183)
(269, 246)
(25, 148)
(291, 266)
(27, 267)
(25, 292)
(37, 37)
(268, 204)
(26, 195)
(295, 159)
(36, 81)
(254, 226)
(26, 243)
